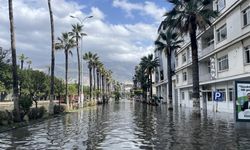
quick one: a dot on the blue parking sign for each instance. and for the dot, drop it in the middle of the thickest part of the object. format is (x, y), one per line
(218, 96)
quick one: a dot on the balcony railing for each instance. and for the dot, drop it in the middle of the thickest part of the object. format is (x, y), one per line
(207, 50)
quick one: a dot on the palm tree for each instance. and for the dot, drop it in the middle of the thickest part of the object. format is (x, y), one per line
(95, 63)
(78, 34)
(14, 64)
(187, 16)
(99, 67)
(168, 42)
(52, 77)
(66, 43)
(29, 62)
(109, 80)
(89, 57)
(102, 76)
(148, 64)
(22, 58)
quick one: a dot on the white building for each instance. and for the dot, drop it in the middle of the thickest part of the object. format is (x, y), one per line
(224, 56)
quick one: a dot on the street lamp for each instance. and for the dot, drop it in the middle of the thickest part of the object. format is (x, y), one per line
(80, 99)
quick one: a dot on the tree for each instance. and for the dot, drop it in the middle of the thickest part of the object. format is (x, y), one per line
(102, 75)
(148, 64)
(14, 64)
(78, 34)
(187, 16)
(99, 67)
(4, 56)
(52, 77)
(22, 58)
(35, 85)
(95, 63)
(29, 62)
(168, 42)
(89, 57)
(66, 43)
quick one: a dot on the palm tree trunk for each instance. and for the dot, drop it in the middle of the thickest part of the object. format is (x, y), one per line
(14, 65)
(94, 76)
(195, 70)
(170, 98)
(66, 79)
(90, 83)
(22, 64)
(79, 66)
(20, 82)
(151, 87)
(52, 79)
(103, 88)
(98, 84)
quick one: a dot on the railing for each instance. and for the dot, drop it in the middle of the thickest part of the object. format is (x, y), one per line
(207, 50)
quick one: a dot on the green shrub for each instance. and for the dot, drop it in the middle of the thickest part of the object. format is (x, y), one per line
(3, 118)
(42, 111)
(25, 103)
(36, 113)
(15, 114)
(58, 109)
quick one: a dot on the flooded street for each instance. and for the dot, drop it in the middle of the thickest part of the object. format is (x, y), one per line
(130, 125)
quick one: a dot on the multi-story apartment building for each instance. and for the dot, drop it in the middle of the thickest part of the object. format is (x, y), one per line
(224, 56)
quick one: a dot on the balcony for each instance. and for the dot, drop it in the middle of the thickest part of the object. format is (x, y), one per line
(207, 50)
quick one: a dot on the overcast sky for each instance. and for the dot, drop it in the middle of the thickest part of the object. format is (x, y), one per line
(121, 31)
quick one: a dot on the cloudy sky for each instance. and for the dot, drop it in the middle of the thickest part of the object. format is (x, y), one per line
(121, 31)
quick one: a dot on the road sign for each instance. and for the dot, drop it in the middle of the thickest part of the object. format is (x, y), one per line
(218, 96)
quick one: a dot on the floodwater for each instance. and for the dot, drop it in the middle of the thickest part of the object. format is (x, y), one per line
(130, 125)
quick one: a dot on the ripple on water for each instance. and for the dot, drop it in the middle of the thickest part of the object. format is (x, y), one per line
(127, 125)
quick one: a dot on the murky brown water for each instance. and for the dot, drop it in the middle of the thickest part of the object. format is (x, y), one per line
(129, 125)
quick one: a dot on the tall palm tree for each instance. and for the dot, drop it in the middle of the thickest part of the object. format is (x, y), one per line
(89, 57)
(99, 67)
(52, 77)
(168, 42)
(22, 58)
(109, 80)
(14, 64)
(102, 77)
(29, 62)
(78, 34)
(66, 43)
(187, 16)
(95, 63)
(149, 63)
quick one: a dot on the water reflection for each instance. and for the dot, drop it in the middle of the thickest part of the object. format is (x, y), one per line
(128, 125)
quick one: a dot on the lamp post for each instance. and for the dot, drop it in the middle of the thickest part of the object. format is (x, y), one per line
(81, 97)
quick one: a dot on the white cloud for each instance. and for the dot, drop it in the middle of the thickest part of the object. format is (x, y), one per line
(146, 8)
(119, 46)
(97, 13)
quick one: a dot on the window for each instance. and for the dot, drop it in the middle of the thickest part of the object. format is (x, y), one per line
(223, 63)
(161, 75)
(223, 91)
(221, 4)
(209, 66)
(230, 94)
(247, 54)
(222, 33)
(177, 78)
(176, 61)
(246, 16)
(184, 57)
(182, 95)
(184, 76)
(190, 95)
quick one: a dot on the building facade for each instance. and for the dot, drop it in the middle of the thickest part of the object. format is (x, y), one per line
(224, 56)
